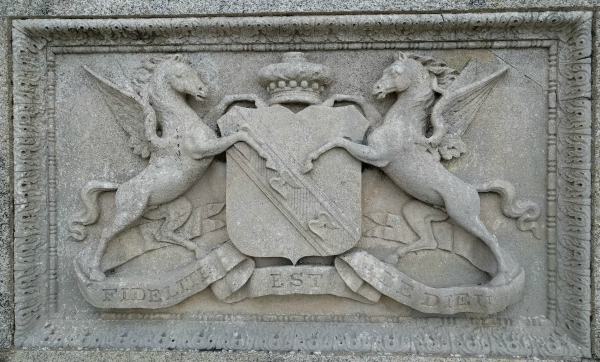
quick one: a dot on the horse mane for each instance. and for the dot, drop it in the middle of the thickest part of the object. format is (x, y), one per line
(143, 74)
(436, 68)
(439, 71)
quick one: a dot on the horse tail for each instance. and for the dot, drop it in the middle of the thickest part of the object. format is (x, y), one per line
(89, 196)
(526, 212)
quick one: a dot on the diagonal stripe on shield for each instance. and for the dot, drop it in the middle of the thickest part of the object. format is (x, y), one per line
(298, 215)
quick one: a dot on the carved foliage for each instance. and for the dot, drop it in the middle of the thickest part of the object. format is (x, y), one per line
(30, 193)
(539, 340)
(319, 29)
(574, 181)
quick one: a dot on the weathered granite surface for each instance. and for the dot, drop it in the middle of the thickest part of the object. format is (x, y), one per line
(187, 7)
(132, 8)
(6, 296)
(230, 356)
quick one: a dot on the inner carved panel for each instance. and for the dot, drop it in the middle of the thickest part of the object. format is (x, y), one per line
(371, 183)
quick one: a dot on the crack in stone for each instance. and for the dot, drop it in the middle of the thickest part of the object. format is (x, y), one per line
(518, 70)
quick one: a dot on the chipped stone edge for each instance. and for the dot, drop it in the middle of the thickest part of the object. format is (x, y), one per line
(565, 332)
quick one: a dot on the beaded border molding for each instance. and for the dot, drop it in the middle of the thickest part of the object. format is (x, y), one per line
(563, 331)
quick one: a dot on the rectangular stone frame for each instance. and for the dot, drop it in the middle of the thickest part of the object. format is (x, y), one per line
(563, 332)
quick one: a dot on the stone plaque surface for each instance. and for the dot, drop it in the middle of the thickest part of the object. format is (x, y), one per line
(373, 183)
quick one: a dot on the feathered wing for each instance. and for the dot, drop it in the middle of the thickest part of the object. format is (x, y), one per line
(457, 108)
(128, 111)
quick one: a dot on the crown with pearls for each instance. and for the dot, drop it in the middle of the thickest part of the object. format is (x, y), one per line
(295, 80)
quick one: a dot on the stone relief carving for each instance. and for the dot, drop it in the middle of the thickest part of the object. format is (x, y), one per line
(401, 148)
(178, 157)
(563, 331)
(281, 207)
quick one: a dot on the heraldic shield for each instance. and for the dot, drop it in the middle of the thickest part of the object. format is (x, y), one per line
(275, 210)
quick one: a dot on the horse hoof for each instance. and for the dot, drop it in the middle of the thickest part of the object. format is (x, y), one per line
(266, 156)
(390, 258)
(499, 280)
(97, 275)
(200, 253)
(401, 252)
(308, 166)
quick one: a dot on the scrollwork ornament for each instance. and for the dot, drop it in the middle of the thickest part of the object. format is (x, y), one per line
(512, 343)
(577, 111)
(404, 26)
(313, 29)
(549, 346)
(394, 342)
(278, 31)
(578, 183)
(575, 323)
(317, 341)
(578, 219)
(473, 342)
(433, 340)
(575, 146)
(378, 29)
(477, 25)
(238, 31)
(118, 30)
(433, 25)
(575, 259)
(545, 20)
(344, 30)
(578, 73)
(201, 338)
(253, 29)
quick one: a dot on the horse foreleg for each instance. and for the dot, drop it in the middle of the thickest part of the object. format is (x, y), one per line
(216, 146)
(226, 103)
(363, 153)
(213, 147)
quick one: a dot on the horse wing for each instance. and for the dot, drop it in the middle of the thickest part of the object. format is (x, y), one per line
(457, 108)
(128, 111)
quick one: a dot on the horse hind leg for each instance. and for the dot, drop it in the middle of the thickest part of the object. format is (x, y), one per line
(419, 217)
(176, 213)
(463, 208)
(128, 211)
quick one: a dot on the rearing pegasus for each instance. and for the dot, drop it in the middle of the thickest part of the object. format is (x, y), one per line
(179, 155)
(401, 148)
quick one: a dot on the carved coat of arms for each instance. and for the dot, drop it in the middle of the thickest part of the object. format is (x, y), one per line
(293, 214)
(294, 189)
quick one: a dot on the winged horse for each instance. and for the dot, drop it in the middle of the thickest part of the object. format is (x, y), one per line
(401, 148)
(178, 156)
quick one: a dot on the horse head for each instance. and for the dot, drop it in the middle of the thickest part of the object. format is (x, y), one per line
(399, 76)
(177, 74)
